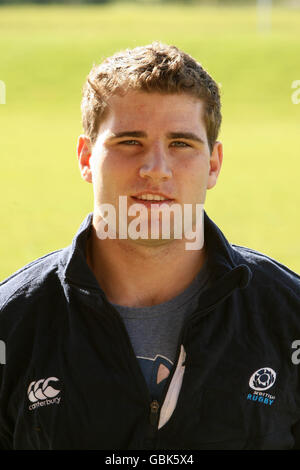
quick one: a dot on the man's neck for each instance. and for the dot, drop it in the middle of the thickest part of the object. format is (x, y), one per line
(137, 276)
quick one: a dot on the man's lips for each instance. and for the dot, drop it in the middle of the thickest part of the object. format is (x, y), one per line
(138, 197)
(151, 202)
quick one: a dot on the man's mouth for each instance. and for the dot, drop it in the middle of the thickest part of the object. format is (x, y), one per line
(152, 198)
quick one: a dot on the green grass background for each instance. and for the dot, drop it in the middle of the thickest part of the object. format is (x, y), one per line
(46, 54)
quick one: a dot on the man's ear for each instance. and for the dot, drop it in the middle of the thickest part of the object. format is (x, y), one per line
(215, 162)
(84, 152)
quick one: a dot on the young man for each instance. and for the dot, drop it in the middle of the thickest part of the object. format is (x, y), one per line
(122, 341)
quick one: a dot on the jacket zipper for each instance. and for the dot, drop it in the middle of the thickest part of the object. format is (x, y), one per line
(149, 441)
(154, 413)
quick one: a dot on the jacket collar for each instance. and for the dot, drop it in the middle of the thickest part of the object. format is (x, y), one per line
(223, 261)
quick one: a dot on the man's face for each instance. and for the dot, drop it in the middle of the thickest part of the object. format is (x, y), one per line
(151, 143)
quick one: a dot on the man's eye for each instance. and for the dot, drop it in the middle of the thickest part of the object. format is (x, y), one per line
(129, 142)
(178, 143)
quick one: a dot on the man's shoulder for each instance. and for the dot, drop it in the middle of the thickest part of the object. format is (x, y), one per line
(267, 271)
(30, 278)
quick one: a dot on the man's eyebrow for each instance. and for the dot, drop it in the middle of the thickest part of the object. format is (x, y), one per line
(118, 135)
(185, 135)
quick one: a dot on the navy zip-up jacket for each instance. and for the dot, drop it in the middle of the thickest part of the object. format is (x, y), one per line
(70, 379)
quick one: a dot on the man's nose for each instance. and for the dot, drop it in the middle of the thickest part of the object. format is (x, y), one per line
(155, 164)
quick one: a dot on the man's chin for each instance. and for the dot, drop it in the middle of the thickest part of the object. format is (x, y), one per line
(151, 242)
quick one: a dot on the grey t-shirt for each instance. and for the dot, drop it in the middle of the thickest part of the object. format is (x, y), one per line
(154, 331)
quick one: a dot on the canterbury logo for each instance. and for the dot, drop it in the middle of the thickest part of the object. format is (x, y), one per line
(41, 389)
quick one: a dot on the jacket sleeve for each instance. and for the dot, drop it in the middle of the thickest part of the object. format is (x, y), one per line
(5, 441)
(4, 428)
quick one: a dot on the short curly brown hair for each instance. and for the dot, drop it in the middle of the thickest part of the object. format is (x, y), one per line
(156, 67)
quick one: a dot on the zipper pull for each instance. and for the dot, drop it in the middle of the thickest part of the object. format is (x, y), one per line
(154, 408)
